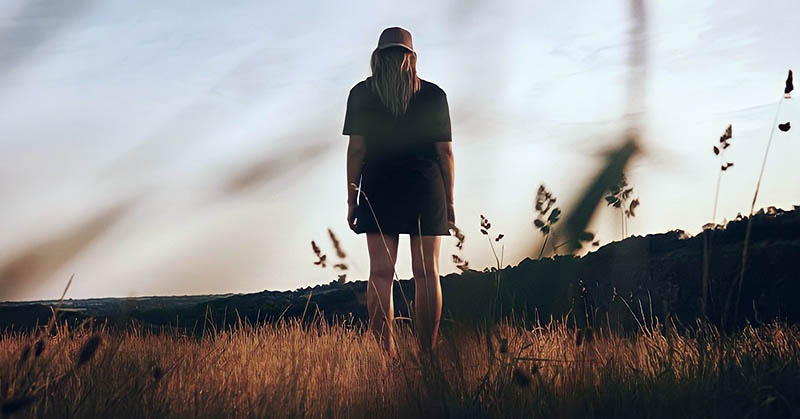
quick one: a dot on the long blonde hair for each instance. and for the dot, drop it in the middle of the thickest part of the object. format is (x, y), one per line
(394, 78)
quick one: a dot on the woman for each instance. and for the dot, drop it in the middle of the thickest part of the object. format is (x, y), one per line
(400, 180)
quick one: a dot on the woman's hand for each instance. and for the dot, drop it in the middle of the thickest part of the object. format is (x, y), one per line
(351, 216)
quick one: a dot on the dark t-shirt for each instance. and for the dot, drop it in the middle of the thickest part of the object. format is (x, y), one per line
(426, 121)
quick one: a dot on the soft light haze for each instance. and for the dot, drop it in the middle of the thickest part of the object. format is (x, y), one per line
(219, 126)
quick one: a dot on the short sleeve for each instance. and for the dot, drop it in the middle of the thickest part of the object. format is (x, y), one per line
(353, 118)
(441, 120)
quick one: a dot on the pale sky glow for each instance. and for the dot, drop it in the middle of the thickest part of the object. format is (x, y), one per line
(160, 105)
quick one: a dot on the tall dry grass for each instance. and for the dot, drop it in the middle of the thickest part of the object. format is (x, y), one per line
(292, 369)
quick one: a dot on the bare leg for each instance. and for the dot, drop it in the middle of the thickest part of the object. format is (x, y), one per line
(428, 290)
(380, 306)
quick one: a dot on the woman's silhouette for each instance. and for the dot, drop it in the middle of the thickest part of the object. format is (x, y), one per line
(400, 180)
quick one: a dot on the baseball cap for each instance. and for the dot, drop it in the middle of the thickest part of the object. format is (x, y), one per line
(395, 37)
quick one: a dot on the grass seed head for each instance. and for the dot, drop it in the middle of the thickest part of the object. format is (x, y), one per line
(540, 197)
(158, 373)
(38, 348)
(546, 215)
(461, 264)
(588, 336)
(88, 350)
(25, 354)
(459, 237)
(724, 141)
(522, 378)
(534, 368)
(464, 266)
(485, 225)
(631, 211)
(321, 258)
(337, 244)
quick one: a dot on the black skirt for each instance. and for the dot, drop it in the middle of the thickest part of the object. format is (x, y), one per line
(404, 196)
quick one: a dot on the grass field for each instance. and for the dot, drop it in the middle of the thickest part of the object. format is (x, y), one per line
(313, 370)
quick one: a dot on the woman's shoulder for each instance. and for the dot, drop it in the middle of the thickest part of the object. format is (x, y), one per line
(431, 87)
(361, 86)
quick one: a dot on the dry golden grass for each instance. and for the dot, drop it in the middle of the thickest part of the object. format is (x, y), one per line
(321, 370)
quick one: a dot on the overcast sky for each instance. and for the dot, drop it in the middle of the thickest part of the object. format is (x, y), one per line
(217, 127)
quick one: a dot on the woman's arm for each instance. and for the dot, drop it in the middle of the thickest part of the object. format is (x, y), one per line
(356, 150)
(447, 164)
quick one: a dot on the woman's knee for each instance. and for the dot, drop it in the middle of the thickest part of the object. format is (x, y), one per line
(381, 273)
(424, 256)
(422, 270)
